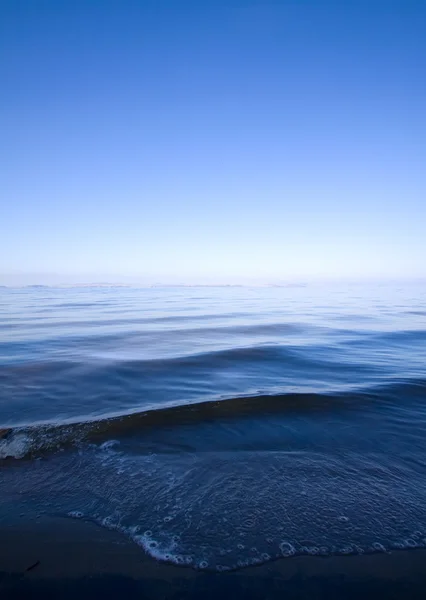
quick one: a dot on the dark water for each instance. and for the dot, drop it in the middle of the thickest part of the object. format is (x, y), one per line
(219, 427)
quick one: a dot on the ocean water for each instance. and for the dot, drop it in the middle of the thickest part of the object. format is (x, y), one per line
(219, 427)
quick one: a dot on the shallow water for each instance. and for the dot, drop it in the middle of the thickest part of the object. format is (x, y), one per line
(219, 427)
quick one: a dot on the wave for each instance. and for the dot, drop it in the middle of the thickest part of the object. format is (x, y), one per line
(261, 354)
(403, 335)
(130, 320)
(166, 550)
(39, 439)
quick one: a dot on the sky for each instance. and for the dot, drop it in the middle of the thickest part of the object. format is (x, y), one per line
(212, 141)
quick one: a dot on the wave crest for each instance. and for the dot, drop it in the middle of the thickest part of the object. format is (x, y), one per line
(22, 442)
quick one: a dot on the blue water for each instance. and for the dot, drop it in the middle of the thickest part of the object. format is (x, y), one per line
(219, 427)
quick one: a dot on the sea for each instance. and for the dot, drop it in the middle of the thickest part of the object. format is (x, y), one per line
(219, 427)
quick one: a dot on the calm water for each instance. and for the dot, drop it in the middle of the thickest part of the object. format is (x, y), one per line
(219, 427)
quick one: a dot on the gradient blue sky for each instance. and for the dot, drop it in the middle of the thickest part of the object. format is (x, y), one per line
(207, 140)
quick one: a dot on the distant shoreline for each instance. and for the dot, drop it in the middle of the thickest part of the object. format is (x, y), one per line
(154, 285)
(34, 283)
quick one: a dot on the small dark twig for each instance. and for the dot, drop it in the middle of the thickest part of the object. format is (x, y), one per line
(33, 566)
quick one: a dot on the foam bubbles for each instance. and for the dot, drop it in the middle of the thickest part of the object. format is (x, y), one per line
(108, 523)
(287, 549)
(349, 549)
(16, 446)
(75, 514)
(161, 549)
(109, 444)
(378, 547)
(179, 511)
(222, 568)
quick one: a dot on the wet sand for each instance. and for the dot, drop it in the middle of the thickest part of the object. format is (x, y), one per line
(59, 558)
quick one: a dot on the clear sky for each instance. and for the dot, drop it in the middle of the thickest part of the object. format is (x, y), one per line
(208, 140)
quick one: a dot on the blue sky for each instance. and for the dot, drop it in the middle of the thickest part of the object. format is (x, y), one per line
(171, 140)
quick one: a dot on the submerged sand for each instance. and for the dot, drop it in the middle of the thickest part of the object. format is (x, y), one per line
(53, 557)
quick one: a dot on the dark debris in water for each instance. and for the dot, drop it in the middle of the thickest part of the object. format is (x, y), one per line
(33, 566)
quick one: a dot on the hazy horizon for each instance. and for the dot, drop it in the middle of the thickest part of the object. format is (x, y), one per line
(55, 280)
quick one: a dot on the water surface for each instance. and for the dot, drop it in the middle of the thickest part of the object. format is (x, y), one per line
(219, 427)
